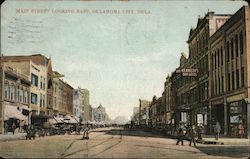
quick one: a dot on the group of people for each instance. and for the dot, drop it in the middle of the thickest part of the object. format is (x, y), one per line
(15, 126)
(193, 131)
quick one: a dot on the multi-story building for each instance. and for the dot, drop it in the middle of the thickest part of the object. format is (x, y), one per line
(36, 66)
(169, 96)
(154, 112)
(230, 58)
(63, 97)
(78, 102)
(87, 109)
(15, 95)
(193, 84)
(144, 112)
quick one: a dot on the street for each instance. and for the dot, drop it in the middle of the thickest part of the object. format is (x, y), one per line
(115, 143)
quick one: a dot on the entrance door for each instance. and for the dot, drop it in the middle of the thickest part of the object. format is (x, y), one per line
(218, 116)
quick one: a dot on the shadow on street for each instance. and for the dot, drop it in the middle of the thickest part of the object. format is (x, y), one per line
(229, 151)
(213, 150)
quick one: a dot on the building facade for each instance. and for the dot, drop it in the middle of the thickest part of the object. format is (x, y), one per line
(15, 95)
(144, 112)
(99, 114)
(229, 55)
(78, 102)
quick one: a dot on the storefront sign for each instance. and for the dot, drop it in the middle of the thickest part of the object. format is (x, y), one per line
(218, 102)
(236, 98)
(188, 72)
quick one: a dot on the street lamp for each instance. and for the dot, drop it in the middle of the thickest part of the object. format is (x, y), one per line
(248, 124)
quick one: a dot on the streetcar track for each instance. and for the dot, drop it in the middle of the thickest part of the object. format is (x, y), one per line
(70, 145)
(108, 148)
(66, 155)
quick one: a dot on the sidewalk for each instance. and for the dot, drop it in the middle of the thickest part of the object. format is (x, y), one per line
(227, 140)
(10, 136)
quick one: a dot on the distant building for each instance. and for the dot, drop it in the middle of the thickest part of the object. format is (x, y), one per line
(144, 112)
(87, 109)
(78, 103)
(99, 114)
(135, 117)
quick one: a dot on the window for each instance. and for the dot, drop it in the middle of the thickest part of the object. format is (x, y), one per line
(215, 60)
(25, 99)
(6, 90)
(222, 84)
(218, 53)
(228, 81)
(12, 91)
(41, 82)
(228, 53)
(34, 80)
(221, 55)
(241, 43)
(237, 79)
(233, 80)
(41, 100)
(242, 77)
(33, 98)
(21, 95)
(232, 49)
(236, 46)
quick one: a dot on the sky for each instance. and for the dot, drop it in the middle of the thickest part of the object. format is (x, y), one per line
(119, 51)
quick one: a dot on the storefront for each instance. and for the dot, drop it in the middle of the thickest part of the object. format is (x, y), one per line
(13, 117)
(237, 114)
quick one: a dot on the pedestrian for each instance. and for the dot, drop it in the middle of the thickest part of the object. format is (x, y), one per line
(241, 130)
(192, 136)
(217, 130)
(13, 128)
(180, 136)
(86, 132)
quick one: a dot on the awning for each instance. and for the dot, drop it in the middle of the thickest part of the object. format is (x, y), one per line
(55, 120)
(69, 119)
(12, 112)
